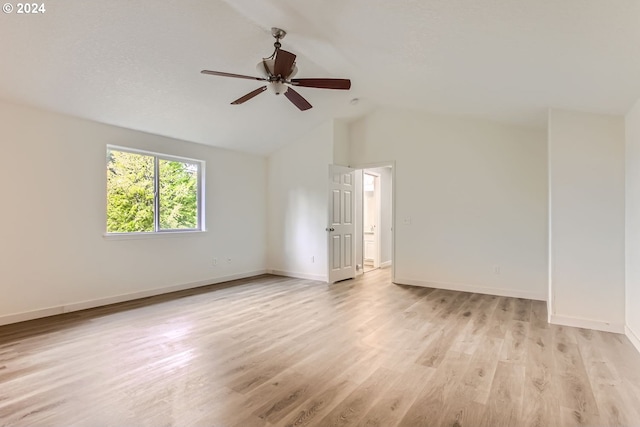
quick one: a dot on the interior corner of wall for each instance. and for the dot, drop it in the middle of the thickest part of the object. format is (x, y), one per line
(633, 337)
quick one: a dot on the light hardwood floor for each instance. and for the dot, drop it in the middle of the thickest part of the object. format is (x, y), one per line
(274, 351)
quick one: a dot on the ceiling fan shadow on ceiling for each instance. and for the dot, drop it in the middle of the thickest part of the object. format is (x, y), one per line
(278, 71)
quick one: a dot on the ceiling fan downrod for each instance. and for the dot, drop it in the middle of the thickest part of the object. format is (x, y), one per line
(278, 34)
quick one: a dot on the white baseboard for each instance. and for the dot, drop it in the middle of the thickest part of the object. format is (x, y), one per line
(633, 337)
(83, 305)
(472, 288)
(385, 264)
(576, 322)
(307, 276)
(30, 315)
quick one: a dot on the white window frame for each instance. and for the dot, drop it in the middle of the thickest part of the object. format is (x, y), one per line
(156, 196)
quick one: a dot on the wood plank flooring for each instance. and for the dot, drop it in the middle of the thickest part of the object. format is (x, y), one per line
(275, 351)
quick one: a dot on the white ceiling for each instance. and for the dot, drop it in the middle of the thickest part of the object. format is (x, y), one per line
(136, 64)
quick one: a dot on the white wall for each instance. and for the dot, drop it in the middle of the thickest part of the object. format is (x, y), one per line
(298, 205)
(386, 236)
(53, 256)
(632, 189)
(586, 219)
(340, 143)
(471, 195)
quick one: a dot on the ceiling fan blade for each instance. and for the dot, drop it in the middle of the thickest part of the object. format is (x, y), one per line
(343, 84)
(238, 76)
(284, 63)
(297, 99)
(249, 95)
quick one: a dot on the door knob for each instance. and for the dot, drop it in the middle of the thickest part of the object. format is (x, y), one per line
(330, 229)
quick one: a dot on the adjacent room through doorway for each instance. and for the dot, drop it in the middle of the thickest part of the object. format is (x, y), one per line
(370, 220)
(376, 225)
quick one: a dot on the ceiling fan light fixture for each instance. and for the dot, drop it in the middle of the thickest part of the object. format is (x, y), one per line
(278, 87)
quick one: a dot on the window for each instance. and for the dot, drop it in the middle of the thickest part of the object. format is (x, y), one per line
(150, 192)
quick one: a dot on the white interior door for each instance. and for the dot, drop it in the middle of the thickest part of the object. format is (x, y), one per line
(341, 228)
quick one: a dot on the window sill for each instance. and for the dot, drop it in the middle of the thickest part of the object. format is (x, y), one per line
(156, 235)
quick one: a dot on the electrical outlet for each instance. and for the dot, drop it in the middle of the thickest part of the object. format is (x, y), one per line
(496, 269)
(214, 262)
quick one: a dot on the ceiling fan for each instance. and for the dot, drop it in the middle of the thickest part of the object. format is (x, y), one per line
(278, 71)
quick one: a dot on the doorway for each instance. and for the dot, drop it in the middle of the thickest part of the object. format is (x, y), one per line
(371, 220)
(375, 240)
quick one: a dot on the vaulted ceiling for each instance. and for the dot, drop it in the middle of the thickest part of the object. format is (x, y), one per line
(136, 64)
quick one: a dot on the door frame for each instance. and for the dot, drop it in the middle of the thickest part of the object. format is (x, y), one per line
(392, 165)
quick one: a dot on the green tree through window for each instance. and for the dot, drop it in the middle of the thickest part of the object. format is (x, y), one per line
(134, 205)
(178, 191)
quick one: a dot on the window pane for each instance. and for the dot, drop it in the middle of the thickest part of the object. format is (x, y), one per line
(130, 195)
(178, 195)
